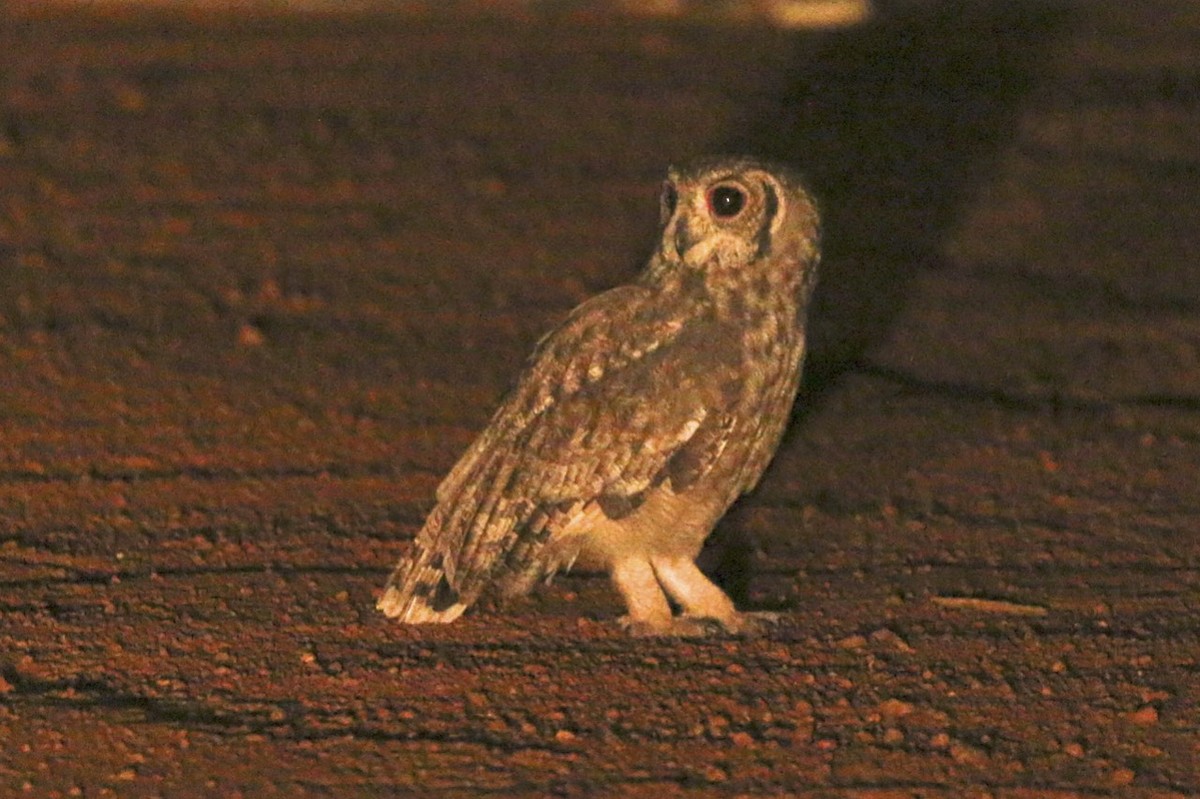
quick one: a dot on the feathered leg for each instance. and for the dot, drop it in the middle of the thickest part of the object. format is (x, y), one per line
(649, 612)
(701, 599)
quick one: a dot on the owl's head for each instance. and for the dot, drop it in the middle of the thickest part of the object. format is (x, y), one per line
(720, 213)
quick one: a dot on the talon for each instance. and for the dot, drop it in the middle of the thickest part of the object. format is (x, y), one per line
(753, 623)
(740, 624)
(686, 626)
(676, 627)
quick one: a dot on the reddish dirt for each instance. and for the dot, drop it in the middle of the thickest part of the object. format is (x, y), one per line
(263, 277)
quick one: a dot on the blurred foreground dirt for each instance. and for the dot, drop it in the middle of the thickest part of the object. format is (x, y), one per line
(263, 278)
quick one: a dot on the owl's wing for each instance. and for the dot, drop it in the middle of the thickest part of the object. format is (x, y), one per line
(619, 398)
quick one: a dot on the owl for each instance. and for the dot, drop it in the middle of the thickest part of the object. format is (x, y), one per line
(639, 420)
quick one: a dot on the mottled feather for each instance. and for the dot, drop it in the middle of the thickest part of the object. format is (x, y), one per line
(577, 429)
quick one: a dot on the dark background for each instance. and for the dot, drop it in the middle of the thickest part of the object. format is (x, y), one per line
(264, 275)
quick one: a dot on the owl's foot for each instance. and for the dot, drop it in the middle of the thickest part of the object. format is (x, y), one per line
(674, 627)
(687, 626)
(751, 623)
(707, 609)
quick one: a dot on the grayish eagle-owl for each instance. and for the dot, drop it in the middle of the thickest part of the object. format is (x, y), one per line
(640, 419)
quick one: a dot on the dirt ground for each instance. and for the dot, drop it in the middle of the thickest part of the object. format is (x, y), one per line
(263, 277)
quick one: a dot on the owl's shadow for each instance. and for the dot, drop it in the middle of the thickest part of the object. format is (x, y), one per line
(894, 123)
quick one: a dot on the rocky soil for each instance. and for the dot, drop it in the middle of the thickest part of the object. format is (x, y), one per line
(263, 277)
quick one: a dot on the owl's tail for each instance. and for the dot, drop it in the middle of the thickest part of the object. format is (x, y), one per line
(418, 592)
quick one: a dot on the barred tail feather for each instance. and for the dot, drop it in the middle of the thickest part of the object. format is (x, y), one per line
(418, 592)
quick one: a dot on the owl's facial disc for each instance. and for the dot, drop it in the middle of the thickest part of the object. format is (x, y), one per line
(713, 221)
(719, 217)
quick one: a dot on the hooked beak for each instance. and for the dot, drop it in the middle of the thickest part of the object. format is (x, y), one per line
(681, 238)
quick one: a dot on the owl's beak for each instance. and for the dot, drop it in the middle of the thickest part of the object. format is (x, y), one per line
(683, 238)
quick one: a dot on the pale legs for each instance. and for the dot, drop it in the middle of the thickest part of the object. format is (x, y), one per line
(642, 583)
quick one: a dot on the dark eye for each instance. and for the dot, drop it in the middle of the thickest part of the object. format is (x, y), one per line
(726, 201)
(669, 200)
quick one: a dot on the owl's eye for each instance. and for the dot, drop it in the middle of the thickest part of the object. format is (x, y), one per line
(726, 201)
(669, 200)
